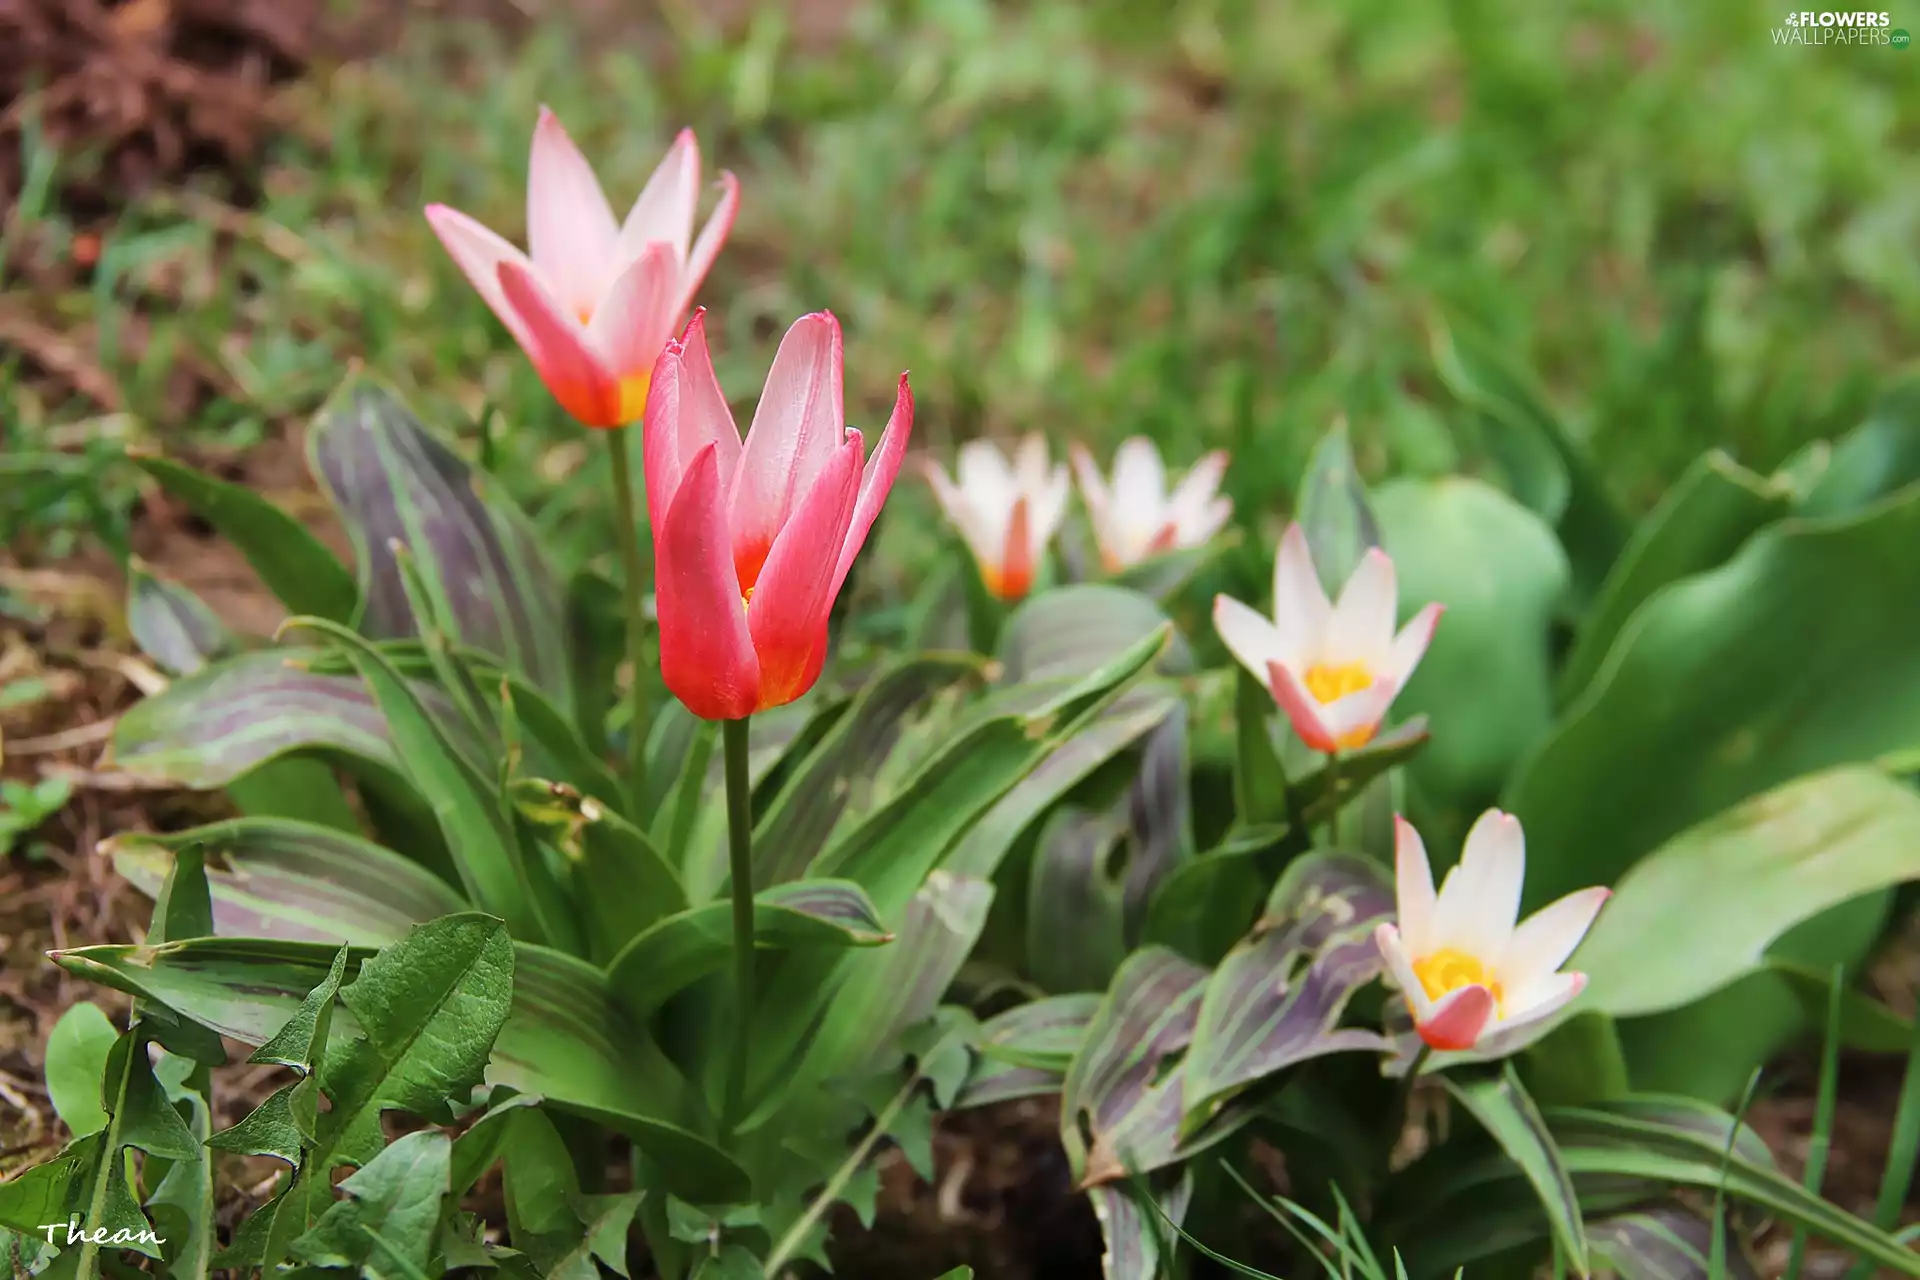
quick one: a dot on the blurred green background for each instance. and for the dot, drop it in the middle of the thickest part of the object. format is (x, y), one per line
(1217, 222)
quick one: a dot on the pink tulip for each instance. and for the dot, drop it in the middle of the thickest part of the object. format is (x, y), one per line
(753, 542)
(593, 302)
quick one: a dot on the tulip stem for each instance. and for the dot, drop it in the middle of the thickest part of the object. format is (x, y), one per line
(640, 721)
(1403, 1101)
(740, 865)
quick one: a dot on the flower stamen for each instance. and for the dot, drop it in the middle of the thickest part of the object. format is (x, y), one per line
(1331, 683)
(1449, 969)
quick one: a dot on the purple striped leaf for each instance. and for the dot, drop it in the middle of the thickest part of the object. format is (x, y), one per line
(393, 481)
(1025, 1051)
(274, 878)
(1277, 998)
(1139, 1243)
(171, 624)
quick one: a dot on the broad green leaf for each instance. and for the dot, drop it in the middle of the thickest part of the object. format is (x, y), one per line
(392, 480)
(293, 563)
(1879, 457)
(1130, 1119)
(65, 1187)
(1665, 1242)
(479, 1145)
(1277, 998)
(1075, 630)
(1795, 655)
(1715, 896)
(1332, 508)
(279, 879)
(1485, 682)
(1210, 901)
(1713, 508)
(675, 952)
(76, 1067)
(1075, 909)
(299, 790)
(1259, 779)
(1163, 577)
(540, 1185)
(492, 868)
(1501, 1105)
(622, 883)
(803, 816)
(397, 1195)
(182, 1206)
(172, 625)
(1136, 1236)
(1121, 724)
(1546, 469)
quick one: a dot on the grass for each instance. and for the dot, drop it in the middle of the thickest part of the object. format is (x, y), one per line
(1217, 222)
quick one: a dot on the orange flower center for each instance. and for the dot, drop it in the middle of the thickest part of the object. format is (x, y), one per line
(1330, 683)
(746, 598)
(633, 396)
(1447, 970)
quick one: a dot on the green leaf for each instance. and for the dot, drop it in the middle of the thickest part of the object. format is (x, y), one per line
(1664, 1242)
(623, 883)
(1501, 1105)
(1076, 630)
(1332, 508)
(76, 1066)
(1715, 896)
(1164, 576)
(1025, 1051)
(293, 563)
(608, 1221)
(1134, 1234)
(1545, 468)
(480, 1144)
(468, 810)
(275, 878)
(1129, 1118)
(172, 625)
(182, 1204)
(397, 1195)
(391, 479)
(802, 818)
(1866, 1025)
(675, 952)
(540, 1186)
(1259, 779)
(1879, 457)
(429, 1007)
(1795, 655)
(1076, 934)
(1277, 998)
(1485, 679)
(1713, 508)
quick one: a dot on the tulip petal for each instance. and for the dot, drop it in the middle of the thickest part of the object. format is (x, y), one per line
(1458, 1018)
(1303, 710)
(1362, 626)
(788, 612)
(1543, 999)
(882, 469)
(1411, 644)
(634, 323)
(1412, 885)
(561, 354)
(1093, 492)
(664, 212)
(478, 253)
(1300, 607)
(1250, 638)
(797, 430)
(1354, 719)
(1192, 504)
(1139, 479)
(1013, 577)
(963, 514)
(712, 236)
(571, 233)
(1480, 898)
(706, 650)
(988, 482)
(686, 412)
(1030, 463)
(1393, 949)
(1546, 938)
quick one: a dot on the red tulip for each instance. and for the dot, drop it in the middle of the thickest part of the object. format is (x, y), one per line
(752, 542)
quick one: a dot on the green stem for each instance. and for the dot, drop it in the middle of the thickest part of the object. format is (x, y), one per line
(1403, 1101)
(740, 865)
(628, 534)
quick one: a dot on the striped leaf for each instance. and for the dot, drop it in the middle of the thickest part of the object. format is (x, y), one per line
(207, 729)
(392, 481)
(1502, 1106)
(1139, 1245)
(1025, 1051)
(1277, 998)
(1115, 1086)
(273, 878)
(171, 624)
(1665, 1242)
(675, 952)
(1073, 630)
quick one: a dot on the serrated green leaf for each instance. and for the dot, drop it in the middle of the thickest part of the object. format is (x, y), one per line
(540, 1186)
(398, 1195)
(608, 1221)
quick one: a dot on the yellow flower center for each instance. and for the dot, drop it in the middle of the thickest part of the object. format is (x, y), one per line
(1447, 970)
(633, 396)
(746, 598)
(1330, 684)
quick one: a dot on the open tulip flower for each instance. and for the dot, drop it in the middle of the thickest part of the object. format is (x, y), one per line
(752, 542)
(1465, 968)
(1006, 512)
(592, 302)
(1333, 668)
(1137, 518)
